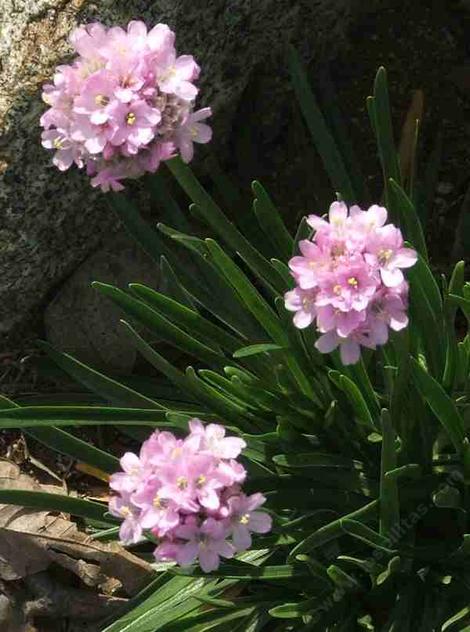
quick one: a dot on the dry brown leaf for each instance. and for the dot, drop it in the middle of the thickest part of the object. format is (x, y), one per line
(31, 540)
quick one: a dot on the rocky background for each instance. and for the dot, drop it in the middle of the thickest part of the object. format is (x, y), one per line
(56, 234)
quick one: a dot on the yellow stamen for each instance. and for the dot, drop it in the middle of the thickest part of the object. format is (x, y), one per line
(181, 482)
(353, 281)
(337, 289)
(58, 143)
(125, 511)
(160, 503)
(131, 118)
(100, 99)
(245, 519)
(201, 479)
(385, 255)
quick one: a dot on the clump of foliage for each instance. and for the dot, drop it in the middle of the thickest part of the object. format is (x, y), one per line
(365, 467)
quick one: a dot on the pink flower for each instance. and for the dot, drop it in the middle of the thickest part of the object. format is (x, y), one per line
(109, 179)
(350, 347)
(185, 491)
(207, 543)
(350, 287)
(124, 104)
(343, 322)
(97, 93)
(302, 302)
(127, 481)
(385, 250)
(88, 40)
(66, 153)
(130, 531)
(134, 123)
(175, 74)
(244, 519)
(158, 512)
(193, 132)
(214, 442)
(314, 263)
(349, 280)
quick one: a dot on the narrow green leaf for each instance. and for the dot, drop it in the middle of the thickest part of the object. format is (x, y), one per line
(295, 610)
(365, 534)
(333, 530)
(408, 218)
(160, 325)
(68, 444)
(456, 622)
(315, 460)
(463, 303)
(169, 602)
(105, 387)
(427, 313)
(389, 506)
(250, 296)
(440, 403)
(450, 309)
(384, 131)
(171, 286)
(137, 227)
(271, 222)
(251, 350)
(223, 227)
(355, 397)
(248, 572)
(187, 318)
(173, 374)
(321, 135)
(57, 502)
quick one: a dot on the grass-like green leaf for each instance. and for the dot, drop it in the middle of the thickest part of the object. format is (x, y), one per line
(384, 132)
(57, 502)
(318, 128)
(162, 326)
(227, 231)
(440, 403)
(104, 386)
(389, 505)
(333, 530)
(271, 222)
(66, 443)
(408, 217)
(186, 318)
(245, 352)
(360, 531)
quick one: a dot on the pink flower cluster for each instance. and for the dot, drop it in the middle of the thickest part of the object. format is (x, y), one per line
(350, 281)
(187, 493)
(125, 104)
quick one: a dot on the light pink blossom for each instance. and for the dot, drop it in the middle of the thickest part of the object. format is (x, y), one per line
(349, 280)
(207, 543)
(193, 131)
(244, 519)
(124, 104)
(187, 492)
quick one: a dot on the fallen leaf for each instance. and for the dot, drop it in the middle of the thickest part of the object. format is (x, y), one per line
(31, 540)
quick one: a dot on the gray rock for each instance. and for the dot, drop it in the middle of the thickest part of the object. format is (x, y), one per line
(84, 323)
(50, 222)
